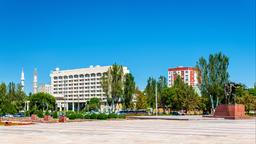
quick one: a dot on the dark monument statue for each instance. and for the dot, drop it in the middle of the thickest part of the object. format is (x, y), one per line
(230, 110)
(230, 92)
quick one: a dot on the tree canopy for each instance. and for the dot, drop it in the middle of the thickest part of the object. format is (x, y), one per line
(113, 85)
(42, 102)
(12, 98)
(129, 90)
(213, 75)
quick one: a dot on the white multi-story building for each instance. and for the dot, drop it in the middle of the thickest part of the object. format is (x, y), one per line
(45, 88)
(73, 88)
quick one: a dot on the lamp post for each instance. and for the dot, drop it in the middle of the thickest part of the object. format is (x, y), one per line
(156, 101)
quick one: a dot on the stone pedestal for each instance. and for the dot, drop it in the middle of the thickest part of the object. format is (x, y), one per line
(62, 119)
(47, 118)
(34, 117)
(236, 111)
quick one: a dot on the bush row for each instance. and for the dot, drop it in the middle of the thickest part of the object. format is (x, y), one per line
(78, 115)
(101, 116)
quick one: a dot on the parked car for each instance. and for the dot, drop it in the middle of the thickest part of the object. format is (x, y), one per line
(19, 115)
(8, 116)
(205, 113)
(136, 112)
(176, 113)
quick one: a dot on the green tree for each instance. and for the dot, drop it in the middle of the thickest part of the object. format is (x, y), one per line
(93, 104)
(113, 84)
(166, 97)
(42, 102)
(184, 96)
(214, 75)
(12, 98)
(129, 90)
(141, 100)
(150, 91)
(248, 100)
(252, 91)
(3, 97)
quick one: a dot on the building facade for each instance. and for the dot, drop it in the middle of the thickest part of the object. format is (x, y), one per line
(45, 88)
(73, 88)
(189, 75)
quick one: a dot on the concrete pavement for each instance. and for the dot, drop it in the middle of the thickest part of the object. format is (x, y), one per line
(133, 132)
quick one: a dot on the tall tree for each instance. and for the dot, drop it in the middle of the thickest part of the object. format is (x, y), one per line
(214, 75)
(129, 90)
(12, 98)
(113, 84)
(166, 97)
(150, 91)
(141, 100)
(184, 97)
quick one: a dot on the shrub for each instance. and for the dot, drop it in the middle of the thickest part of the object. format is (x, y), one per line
(121, 116)
(47, 113)
(93, 116)
(112, 116)
(72, 116)
(102, 116)
(79, 115)
(27, 113)
(87, 116)
(40, 114)
(55, 115)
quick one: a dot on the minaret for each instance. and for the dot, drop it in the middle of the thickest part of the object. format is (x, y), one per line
(35, 81)
(22, 79)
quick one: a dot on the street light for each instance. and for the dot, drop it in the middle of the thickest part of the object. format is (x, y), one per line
(156, 101)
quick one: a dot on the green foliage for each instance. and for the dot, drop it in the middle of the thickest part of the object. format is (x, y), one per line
(112, 116)
(252, 91)
(12, 98)
(249, 101)
(141, 100)
(166, 97)
(113, 84)
(42, 101)
(214, 75)
(150, 91)
(93, 104)
(94, 116)
(87, 116)
(102, 116)
(74, 115)
(184, 97)
(40, 113)
(129, 90)
(55, 115)
(47, 113)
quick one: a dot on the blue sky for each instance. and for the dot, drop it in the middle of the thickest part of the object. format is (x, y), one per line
(147, 36)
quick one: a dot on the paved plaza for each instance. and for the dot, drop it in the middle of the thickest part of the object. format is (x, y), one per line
(133, 132)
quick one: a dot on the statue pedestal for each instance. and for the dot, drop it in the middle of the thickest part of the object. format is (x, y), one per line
(62, 119)
(235, 111)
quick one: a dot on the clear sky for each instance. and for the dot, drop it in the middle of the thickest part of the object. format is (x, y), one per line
(147, 36)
